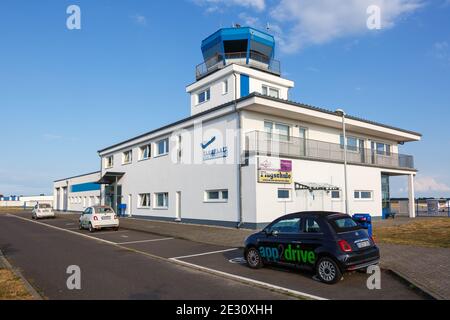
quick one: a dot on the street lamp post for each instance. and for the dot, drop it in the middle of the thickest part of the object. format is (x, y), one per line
(342, 114)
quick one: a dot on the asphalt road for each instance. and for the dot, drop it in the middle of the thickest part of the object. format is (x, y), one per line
(136, 265)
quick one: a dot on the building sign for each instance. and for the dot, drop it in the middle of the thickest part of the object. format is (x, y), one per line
(213, 153)
(273, 170)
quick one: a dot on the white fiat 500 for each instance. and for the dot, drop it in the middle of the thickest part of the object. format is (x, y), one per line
(99, 217)
(42, 210)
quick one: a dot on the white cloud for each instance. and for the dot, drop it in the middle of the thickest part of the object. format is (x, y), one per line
(139, 19)
(217, 5)
(321, 21)
(429, 184)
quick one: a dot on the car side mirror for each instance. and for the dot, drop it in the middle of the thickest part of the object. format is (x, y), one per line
(271, 232)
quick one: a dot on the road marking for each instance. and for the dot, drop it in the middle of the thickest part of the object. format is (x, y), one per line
(185, 264)
(142, 241)
(250, 281)
(70, 224)
(204, 254)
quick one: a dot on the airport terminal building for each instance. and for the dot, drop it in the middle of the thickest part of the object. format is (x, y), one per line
(247, 154)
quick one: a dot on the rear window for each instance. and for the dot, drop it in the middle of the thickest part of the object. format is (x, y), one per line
(344, 224)
(44, 206)
(104, 210)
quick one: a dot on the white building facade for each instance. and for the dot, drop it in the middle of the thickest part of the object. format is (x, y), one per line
(247, 154)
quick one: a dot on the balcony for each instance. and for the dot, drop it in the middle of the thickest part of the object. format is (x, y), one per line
(255, 60)
(262, 143)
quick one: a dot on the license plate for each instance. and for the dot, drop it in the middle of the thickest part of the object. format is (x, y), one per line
(106, 218)
(363, 244)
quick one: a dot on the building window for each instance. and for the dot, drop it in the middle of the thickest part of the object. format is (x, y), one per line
(335, 195)
(225, 87)
(162, 147)
(382, 149)
(216, 195)
(161, 200)
(282, 130)
(204, 96)
(109, 162)
(145, 152)
(284, 194)
(144, 200)
(353, 144)
(127, 157)
(363, 195)
(271, 92)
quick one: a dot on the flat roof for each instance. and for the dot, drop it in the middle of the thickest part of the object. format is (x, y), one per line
(81, 175)
(252, 95)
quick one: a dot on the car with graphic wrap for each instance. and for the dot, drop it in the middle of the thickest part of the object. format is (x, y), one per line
(330, 243)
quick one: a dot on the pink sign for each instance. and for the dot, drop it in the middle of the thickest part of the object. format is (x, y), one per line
(286, 165)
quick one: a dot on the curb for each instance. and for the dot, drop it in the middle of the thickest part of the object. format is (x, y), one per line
(426, 292)
(17, 273)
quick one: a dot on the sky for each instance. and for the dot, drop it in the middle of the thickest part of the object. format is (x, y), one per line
(64, 94)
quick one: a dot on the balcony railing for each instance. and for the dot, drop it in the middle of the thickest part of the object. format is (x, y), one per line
(263, 143)
(255, 60)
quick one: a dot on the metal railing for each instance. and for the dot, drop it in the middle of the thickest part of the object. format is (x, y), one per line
(255, 60)
(263, 143)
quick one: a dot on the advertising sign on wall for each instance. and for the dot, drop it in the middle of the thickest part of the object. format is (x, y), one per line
(274, 170)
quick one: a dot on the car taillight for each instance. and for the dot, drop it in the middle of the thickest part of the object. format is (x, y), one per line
(95, 218)
(115, 217)
(344, 246)
(373, 239)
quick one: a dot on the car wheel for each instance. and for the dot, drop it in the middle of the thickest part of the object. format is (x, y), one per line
(91, 228)
(328, 271)
(253, 258)
(80, 226)
(116, 229)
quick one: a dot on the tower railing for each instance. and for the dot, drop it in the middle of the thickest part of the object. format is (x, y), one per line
(254, 59)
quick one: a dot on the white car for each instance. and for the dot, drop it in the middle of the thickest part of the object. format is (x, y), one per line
(42, 210)
(99, 217)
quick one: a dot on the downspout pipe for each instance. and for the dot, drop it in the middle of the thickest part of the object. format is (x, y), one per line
(239, 167)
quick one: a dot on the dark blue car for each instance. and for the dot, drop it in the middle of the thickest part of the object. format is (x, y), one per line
(328, 242)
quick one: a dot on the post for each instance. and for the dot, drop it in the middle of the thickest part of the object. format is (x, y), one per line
(345, 163)
(411, 203)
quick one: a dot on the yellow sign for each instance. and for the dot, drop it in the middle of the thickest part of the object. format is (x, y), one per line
(268, 176)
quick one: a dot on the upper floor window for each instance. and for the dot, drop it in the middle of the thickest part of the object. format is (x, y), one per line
(145, 152)
(109, 162)
(382, 149)
(271, 92)
(284, 194)
(353, 143)
(225, 87)
(204, 96)
(277, 128)
(162, 147)
(335, 194)
(127, 157)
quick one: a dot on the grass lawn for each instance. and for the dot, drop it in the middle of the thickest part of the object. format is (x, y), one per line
(432, 232)
(11, 287)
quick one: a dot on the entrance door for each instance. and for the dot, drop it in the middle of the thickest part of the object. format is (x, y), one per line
(178, 206)
(65, 199)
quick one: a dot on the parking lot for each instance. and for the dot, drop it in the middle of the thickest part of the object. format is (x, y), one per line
(211, 261)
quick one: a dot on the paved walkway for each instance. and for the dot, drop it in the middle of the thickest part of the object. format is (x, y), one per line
(427, 268)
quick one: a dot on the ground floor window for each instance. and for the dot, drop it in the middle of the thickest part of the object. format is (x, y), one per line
(144, 200)
(162, 200)
(363, 195)
(216, 195)
(284, 194)
(336, 195)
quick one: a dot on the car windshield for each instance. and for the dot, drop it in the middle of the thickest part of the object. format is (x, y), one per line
(44, 206)
(344, 224)
(103, 210)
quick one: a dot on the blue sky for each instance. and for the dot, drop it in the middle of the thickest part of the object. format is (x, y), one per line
(64, 94)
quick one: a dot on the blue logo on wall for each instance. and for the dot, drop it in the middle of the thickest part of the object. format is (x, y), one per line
(215, 153)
